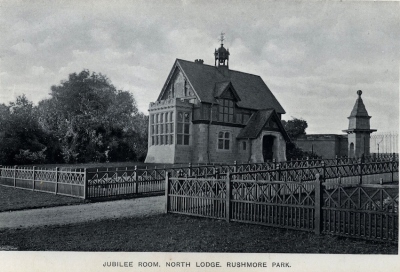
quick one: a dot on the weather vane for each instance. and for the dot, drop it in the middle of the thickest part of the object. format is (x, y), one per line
(222, 38)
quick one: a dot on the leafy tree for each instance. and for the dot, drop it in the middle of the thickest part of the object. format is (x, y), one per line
(92, 120)
(295, 128)
(21, 138)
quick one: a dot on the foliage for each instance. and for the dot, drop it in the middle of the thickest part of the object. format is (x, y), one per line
(92, 120)
(20, 130)
(27, 156)
(296, 128)
(86, 119)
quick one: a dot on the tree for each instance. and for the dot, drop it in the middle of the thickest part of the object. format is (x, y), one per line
(91, 120)
(295, 128)
(22, 140)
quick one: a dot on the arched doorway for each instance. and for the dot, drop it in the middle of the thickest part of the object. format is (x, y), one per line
(267, 147)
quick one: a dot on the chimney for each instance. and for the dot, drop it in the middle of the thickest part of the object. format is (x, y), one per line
(199, 61)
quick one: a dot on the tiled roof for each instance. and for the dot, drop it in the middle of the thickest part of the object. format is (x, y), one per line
(251, 89)
(220, 87)
(257, 123)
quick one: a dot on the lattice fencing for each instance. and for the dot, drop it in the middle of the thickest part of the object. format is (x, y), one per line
(349, 174)
(62, 182)
(201, 197)
(118, 182)
(364, 211)
(123, 181)
(279, 204)
(104, 182)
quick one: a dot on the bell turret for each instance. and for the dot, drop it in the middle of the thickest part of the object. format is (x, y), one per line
(222, 54)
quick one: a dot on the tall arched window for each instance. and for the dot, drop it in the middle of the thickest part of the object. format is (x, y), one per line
(224, 140)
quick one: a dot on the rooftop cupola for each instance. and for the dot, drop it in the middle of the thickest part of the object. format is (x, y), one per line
(222, 54)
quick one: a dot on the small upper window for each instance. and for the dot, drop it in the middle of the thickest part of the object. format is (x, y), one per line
(244, 145)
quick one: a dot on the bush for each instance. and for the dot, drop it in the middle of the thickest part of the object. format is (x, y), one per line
(28, 157)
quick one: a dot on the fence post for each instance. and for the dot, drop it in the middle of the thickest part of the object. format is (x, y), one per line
(85, 184)
(228, 197)
(318, 205)
(56, 189)
(33, 179)
(15, 174)
(135, 179)
(167, 174)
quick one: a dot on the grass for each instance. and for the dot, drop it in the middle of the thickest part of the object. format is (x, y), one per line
(18, 199)
(176, 233)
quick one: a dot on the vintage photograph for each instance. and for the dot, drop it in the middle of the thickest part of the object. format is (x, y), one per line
(199, 135)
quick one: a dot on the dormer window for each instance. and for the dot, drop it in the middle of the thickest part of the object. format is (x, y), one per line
(226, 111)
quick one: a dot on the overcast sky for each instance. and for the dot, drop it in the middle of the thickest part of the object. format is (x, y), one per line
(313, 56)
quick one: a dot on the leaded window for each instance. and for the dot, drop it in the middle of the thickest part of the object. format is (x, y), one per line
(183, 128)
(161, 128)
(224, 140)
(225, 111)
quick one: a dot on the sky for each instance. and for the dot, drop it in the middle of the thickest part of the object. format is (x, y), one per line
(314, 56)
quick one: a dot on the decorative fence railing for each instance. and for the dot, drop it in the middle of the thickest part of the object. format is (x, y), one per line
(358, 173)
(110, 182)
(365, 211)
(368, 211)
(62, 182)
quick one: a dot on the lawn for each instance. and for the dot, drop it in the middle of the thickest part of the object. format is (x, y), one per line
(18, 199)
(176, 233)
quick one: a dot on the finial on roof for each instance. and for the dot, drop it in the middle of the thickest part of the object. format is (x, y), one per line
(359, 92)
(222, 38)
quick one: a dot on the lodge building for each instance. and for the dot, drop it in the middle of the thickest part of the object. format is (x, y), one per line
(211, 114)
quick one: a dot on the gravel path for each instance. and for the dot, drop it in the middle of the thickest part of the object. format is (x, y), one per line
(137, 207)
